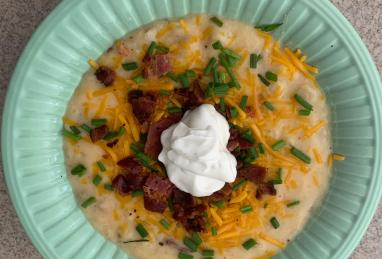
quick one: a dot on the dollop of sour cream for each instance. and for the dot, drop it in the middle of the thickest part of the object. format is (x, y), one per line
(195, 152)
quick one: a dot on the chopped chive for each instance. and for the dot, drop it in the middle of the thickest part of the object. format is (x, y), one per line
(300, 155)
(254, 59)
(190, 244)
(209, 90)
(151, 49)
(222, 76)
(227, 67)
(121, 131)
(215, 74)
(86, 128)
(208, 253)
(97, 179)
(246, 209)
(101, 166)
(271, 76)
(216, 21)
(233, 112)
(190, 73)
(221, 89)
(130, 66)
(214, 231)
(70, 135)
(196, 238)
(231, 60)
(108, 186)
(303, 102)
(217, 45)
(252, 154)
(138, 79)
(78, 170)
(231, 53)
(269, 27)
(210, 65)
(141, 230)
(172, 76)
(243, 102)
(269, 105)
(293, 203)
(304, 112)
(247, 135)
(165, 223)
(184, 81)
(137, 193)
(222, 104)
(263, 80)
(182, 255)
(220, 204)
(261, 148)
(88, 202)
(278, 145)
(136, 241)
(174, 109)
(278, 180)
(163, 92)
(75, 130)
(98, 122)
(275, 223)
(111, 135)
(236, 186)
(162, 49)
(249, 244)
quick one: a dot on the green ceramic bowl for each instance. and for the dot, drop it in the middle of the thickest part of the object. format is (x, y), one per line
(56, 57)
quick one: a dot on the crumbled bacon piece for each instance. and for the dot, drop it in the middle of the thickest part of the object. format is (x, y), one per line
(265, 188)
(253, 173)
(235, 141)
(156, 65)
(98, 133)
(105, 75)
(143, 104)
(131, 164)
(190, 97)
(112, 143)
(156, 192)
(222, 194)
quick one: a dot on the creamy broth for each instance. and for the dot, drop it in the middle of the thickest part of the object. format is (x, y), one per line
(189, 41)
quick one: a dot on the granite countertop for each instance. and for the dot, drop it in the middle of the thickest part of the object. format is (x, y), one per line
(18, 20)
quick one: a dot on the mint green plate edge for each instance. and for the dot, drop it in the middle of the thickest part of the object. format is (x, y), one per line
(343, 28)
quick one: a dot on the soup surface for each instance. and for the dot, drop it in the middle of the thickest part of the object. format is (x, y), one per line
(279, 134)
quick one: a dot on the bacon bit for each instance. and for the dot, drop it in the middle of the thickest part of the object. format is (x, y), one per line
(222, 194)
(131, 164)
(264, 189)
(253, 173)
(143, 104)
(156, 192)
(113, 143)
(105, 75)
(98, 133)
(156, 66)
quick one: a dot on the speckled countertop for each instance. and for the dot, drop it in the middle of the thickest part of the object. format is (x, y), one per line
(18, 20)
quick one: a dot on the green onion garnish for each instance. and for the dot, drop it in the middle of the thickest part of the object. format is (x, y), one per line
(231, 53)
(214, 231)
(190, 244)
(190, 73)
(215, 74)
(136, 241)
(182, 255)
(271, 76)
(88, 202)
(303, 102)
(247, 135)
(75, 130)
(172, 76)
(97, 179)
(278, 145)
(137, 193)
(184, 81)
(151, 49)
(86, 128)
(221, 89)
(98, 122)
(78, 170)
(261, 148)
(141, 230)
(108, 186)
(196, 238)
(163, 92)
(254, 59)
(138, 79)
(130, 66)
(278, 180)
(292, 204)
(222, 76)
(269, 27)
(210, 65)
(233, 112)
(252, 155)
(249, 244)
(304, 112)
(243, 102)
(165, 223)
(300, 155)
(70, 135)
(208, 253)
(217, 45)
(227, 67)
(162, 49)
(216, 21)
(236, 186)
(246, 209)
(263, 80)
(111, 135)
(269, 105)
(174, 109)
(220, 204)
(222, 104)
(275, 223)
